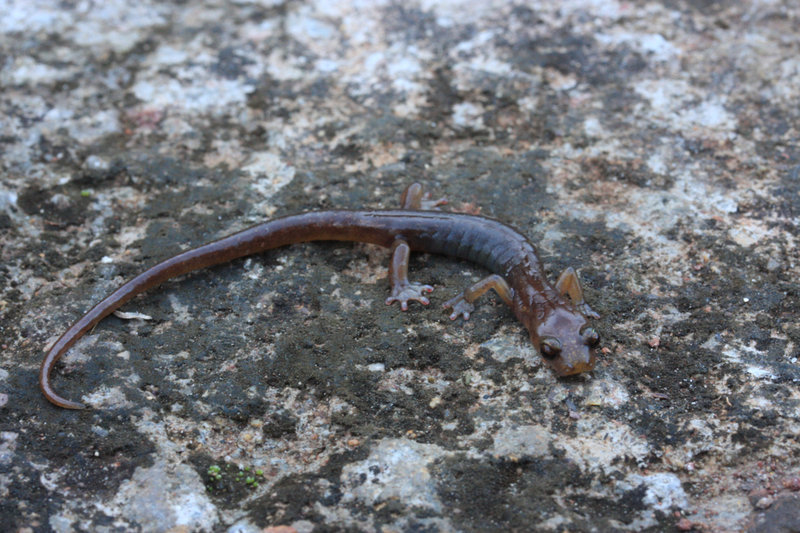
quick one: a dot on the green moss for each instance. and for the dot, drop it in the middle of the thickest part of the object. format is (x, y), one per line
(230, 477)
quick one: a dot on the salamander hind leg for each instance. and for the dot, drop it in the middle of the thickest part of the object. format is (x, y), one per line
(403, 290)
(569, 283)
(462, 303)
(413, 198)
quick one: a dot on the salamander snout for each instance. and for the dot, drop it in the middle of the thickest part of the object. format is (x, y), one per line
(567, 343)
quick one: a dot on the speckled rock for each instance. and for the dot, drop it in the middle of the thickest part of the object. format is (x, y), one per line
(651, 145)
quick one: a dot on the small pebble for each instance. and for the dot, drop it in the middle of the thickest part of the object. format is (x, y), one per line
(94, 162)
(764, 502)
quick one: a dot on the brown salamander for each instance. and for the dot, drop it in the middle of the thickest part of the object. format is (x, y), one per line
(557, 325)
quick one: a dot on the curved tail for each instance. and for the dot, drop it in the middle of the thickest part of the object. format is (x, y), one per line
(206, 255)
(321, 225)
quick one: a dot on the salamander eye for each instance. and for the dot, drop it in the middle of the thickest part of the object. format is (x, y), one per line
(591, 337)
(550, 347)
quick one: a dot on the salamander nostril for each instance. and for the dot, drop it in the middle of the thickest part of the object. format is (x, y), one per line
(590, 337)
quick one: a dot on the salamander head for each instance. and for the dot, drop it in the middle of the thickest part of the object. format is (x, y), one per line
(566, 342)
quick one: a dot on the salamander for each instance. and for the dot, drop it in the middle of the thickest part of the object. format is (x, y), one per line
(558, 326)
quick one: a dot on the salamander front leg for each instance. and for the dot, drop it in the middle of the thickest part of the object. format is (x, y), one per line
(413, 198)
(462, 303)
(568, 283)
(402, 289)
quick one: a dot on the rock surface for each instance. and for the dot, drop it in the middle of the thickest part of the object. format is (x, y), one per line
(652, 145)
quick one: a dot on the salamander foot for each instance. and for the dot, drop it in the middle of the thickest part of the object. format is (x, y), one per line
(460, 306)
(405, 292)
